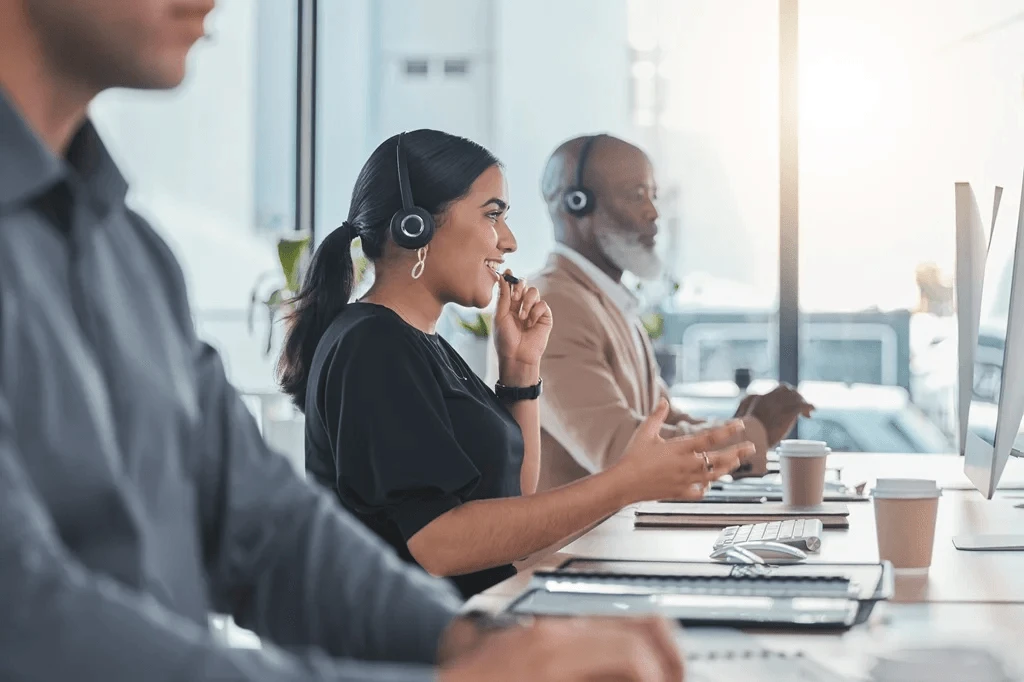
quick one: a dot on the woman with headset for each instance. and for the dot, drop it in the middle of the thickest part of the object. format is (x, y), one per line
(439, 465)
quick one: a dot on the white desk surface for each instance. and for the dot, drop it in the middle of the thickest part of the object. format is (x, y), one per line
(964, 594)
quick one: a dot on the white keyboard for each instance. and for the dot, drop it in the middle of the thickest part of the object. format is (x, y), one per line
(802, 533)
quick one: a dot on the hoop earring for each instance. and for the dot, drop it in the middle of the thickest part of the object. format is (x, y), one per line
(421, 262)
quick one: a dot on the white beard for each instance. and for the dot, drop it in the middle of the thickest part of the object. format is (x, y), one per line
(628, 254)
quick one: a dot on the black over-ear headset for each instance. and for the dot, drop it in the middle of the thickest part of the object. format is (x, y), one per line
(411, 227)
(580, 201)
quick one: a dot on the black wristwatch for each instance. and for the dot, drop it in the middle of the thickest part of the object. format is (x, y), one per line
(513, 394)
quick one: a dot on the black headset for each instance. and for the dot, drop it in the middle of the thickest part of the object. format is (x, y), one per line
(411, 227)
(580, 201)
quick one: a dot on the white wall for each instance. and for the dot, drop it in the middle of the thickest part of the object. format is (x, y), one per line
(461, 104)
(365, 97)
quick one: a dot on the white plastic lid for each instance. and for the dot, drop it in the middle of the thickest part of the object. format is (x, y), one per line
(802, 448)
(906, 489)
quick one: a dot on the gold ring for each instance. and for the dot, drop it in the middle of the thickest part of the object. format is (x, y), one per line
(708, 466)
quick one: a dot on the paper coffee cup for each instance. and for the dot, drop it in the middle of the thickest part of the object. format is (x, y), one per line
(905, 511)
(802, 465)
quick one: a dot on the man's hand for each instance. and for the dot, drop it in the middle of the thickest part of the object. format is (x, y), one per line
(777, 411)
(572, 650)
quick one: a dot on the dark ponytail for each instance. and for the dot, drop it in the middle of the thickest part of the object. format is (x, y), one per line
(325, 291)
(442, 168)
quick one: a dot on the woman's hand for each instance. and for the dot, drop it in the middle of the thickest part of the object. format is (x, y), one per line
(653, 468)
(522, 324)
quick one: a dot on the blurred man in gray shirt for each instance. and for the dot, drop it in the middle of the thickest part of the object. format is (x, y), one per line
(135, 492)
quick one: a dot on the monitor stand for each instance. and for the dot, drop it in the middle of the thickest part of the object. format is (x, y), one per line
(973, 542)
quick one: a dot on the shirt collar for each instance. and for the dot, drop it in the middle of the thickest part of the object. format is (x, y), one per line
(28, 168)
(624, 299)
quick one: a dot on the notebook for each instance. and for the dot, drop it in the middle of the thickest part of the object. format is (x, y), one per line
(610, 601)
(952, 663)
(767, 489)
(728, 655)
(804, 596)
(755, 663)
(700, 515)
(755, 496)
(874, 580)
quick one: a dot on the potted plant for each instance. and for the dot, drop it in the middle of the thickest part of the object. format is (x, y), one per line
(293, 256)
(361, 265)
(654, 324)
(478, 333)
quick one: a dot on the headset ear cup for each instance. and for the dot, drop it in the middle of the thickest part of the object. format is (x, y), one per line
(412, 229)
(579, 201)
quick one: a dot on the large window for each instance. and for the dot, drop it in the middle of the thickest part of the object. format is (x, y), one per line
(896, 106)
(212, 166)
(705, 104)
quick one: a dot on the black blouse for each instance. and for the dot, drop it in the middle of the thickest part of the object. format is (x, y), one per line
(401, 428)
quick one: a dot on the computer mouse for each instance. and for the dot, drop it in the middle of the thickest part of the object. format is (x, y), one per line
(773, 552)
(734, 554)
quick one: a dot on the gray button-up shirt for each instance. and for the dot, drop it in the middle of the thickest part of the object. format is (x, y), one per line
(135, 491)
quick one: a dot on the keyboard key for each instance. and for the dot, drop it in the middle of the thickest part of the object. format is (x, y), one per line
(802, 533)
(786, 530)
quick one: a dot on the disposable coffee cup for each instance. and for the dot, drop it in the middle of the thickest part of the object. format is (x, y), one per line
(802, 465)
(905, 511)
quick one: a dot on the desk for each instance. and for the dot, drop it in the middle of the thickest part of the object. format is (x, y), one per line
(981, 592)
(895, 626)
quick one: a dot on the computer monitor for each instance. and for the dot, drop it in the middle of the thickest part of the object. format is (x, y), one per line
(971, 246)
(1001, 315)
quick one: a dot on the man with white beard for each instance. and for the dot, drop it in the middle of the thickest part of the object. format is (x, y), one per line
(600, 375)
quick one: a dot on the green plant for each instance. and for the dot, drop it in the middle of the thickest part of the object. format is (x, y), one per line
(654, 323)
(480, 327)
(292, 255)
(361, 264)
(654, 319)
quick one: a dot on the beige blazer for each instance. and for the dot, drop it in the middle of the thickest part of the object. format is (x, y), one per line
(597, 386)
